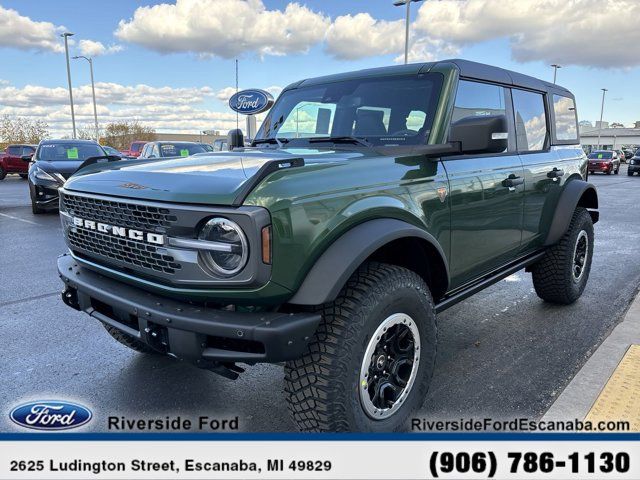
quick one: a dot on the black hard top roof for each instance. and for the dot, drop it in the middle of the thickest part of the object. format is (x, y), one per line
(467, 69)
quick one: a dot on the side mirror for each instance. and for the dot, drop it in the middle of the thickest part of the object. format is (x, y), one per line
(486, 134)
(27, 158)
(235, 139)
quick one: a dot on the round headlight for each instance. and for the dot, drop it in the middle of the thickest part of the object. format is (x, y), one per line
(232, 250)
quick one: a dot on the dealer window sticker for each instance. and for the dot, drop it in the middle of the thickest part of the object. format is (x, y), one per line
(599, 155)
(184, 152)
(72, 153)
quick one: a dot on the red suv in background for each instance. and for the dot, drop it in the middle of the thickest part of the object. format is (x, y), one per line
(605, 161)
(11, 160)
(134, 149)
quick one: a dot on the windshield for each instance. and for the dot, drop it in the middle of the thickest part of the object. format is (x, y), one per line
(111, 151)
(68, 151)
(180, 149)
(600, 155)
(394, 110)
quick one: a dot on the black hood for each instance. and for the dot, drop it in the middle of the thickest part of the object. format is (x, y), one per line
(66, 168)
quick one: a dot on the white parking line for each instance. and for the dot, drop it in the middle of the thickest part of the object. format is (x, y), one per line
(19, 219)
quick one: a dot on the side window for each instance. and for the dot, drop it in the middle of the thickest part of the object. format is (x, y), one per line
(477, 99)
(156, 151)
(14, 151)
(564, 112)
(531, 121)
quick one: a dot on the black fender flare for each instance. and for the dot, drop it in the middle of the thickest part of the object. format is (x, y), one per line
(575, 193)
(338, 262)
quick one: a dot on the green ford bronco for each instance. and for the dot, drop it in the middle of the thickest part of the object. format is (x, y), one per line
(367, 203)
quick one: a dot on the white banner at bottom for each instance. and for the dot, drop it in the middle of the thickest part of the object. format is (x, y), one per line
(387, 459)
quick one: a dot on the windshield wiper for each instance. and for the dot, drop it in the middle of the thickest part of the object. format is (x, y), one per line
(344, 139)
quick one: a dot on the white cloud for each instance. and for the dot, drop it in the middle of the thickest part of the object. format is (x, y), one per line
(92, 48)
(18, 31)
(162, 108)
(356, 36)
(578, 32)
(224, 28)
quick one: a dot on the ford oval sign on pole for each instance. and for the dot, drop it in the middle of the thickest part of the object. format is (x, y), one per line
(251, 102)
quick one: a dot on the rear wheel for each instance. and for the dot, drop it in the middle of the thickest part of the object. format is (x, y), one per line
(370, 362)
(562, 274)
(129, 341)
(3, 173)
(617, 170)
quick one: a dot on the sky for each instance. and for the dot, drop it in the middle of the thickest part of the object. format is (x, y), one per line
(171, 65)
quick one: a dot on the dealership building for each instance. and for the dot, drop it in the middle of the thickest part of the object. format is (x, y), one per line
(610, 138)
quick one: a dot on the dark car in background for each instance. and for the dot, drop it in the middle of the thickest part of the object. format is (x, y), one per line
(627, 154)
(113, 151)
(605, 161)
(11, 160)
(634, 164)
(167, 149)
(51, 165)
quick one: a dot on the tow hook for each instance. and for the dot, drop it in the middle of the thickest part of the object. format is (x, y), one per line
(70, 298)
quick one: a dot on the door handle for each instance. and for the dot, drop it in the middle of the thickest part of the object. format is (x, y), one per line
(556, 173)
(512, 181)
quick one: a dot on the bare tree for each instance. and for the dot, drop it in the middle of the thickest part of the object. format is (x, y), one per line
(120, 134)
(22, 130)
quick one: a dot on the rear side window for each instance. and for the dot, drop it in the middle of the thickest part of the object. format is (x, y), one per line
(15, 151)
(531, 121)
(564, 112)
(475, 99)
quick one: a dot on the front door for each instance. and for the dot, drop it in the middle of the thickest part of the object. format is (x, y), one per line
(486, 192)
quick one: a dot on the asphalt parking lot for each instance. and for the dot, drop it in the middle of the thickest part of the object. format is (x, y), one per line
(503, 353)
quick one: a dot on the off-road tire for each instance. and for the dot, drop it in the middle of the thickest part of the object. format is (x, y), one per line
(129, 341)
(322, 387)
(552, 275)
(3, 173)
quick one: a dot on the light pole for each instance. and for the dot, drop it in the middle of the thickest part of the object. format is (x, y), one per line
(604, 90)
(397, 3)
(66, 36)
(93, 93)
(555, 71)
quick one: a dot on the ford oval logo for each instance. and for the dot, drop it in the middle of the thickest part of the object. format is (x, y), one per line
(250, 102)
(50, 415)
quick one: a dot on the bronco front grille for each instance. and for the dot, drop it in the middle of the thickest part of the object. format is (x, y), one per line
(130, 252)
(141, 217)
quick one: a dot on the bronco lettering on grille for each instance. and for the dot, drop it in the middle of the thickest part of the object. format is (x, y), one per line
(138, 235)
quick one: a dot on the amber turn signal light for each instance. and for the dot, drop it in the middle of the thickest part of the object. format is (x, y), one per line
(266, 245)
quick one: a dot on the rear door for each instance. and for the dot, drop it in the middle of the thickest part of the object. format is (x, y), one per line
(546, 168)
(486, 213)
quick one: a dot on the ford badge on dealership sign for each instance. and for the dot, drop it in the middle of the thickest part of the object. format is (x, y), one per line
(251, 102)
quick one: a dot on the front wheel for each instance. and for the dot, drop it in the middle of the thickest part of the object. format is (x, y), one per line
(630, 173)
(3, 173)
(35, 209)
(562, 274)
(371, 360)
(24, 176)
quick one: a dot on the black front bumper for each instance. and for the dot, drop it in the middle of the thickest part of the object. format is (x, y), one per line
(190, 332)
(634, 168)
